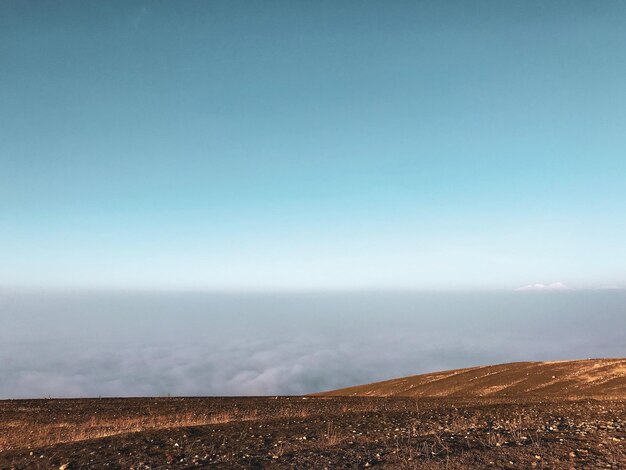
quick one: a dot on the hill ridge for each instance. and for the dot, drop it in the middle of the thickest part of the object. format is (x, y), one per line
(604, 377)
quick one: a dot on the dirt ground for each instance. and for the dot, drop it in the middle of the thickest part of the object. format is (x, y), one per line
(312, 432)
(587, 378)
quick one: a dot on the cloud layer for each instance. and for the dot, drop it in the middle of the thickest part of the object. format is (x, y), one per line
(257, 346)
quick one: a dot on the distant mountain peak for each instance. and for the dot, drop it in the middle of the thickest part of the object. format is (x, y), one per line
(538, 286)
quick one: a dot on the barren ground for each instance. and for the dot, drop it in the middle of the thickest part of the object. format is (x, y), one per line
(602, 378)
(335, 432)
(290, 432)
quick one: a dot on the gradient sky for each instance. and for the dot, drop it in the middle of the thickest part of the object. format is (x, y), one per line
(312, 145)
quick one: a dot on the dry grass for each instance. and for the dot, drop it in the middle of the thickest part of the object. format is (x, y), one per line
(20, 435)
(26, 433)
(332, 437)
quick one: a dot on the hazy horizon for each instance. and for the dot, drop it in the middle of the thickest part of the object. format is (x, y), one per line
(133, 344)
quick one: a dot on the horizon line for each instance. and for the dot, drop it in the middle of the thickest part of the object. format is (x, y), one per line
(295, 291)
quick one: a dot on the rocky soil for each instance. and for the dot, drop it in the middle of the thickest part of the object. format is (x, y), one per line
(315, 433)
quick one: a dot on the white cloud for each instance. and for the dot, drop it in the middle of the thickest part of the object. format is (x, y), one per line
(552, 286)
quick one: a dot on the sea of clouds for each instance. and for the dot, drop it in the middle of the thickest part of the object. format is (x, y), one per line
(140, 343)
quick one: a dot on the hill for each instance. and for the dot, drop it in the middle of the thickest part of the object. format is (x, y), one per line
(590, 378)
(557, 415)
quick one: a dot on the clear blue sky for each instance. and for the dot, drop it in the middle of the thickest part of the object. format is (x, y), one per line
(312, 145)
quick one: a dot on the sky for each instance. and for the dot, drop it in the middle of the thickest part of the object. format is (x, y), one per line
(227, 145)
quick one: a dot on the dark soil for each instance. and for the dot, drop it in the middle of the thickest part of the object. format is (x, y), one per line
(333, 433)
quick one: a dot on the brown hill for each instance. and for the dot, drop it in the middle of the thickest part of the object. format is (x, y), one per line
(569, 379)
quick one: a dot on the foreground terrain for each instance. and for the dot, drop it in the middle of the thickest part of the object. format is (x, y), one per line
(528, 430)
